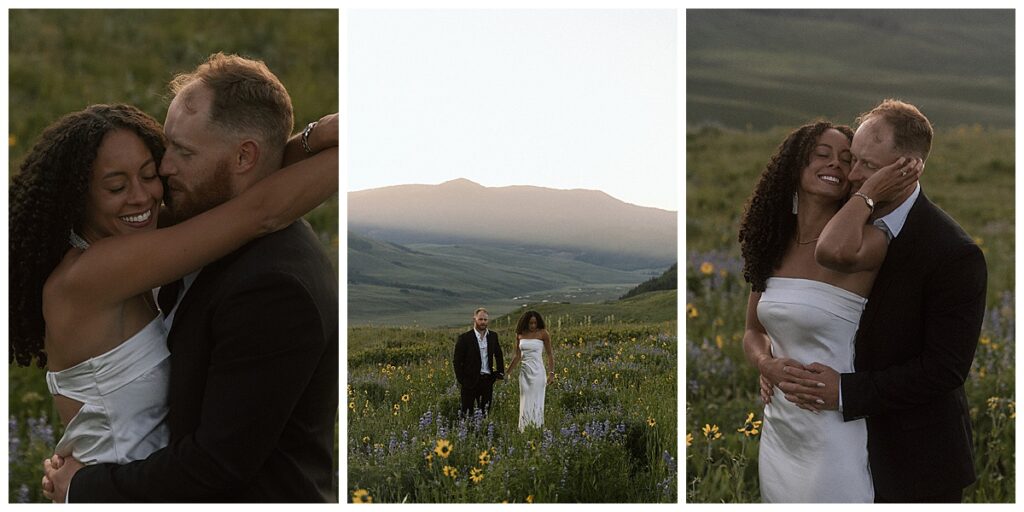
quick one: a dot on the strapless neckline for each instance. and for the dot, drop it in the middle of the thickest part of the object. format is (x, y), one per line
(823, 285)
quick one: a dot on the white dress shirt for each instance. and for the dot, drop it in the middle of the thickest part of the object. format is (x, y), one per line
(481, 341)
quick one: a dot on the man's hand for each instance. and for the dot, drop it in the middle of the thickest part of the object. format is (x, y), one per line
(57, 475)
(814, 388)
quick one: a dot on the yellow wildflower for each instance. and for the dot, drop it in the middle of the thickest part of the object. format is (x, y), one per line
(689, 439)
(352, 405)
(430, 460)
(985, 340)
(750, 427)
(707, 268)
(484, 458)
(691, 311)
(450, 471)
(476, 475)
(651, 422)
(993, 402)
(366, 439)
(711, 432)
(361, 496)
(719, 341)
(443, 448)
(405, 397)
(529, 499)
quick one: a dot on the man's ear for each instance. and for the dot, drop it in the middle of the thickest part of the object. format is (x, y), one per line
(247, 156)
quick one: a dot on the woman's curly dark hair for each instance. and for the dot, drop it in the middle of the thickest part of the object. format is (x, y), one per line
(523, 324)
(768, 222)
(48, 199)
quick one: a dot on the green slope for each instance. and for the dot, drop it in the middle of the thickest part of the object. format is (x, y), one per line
(767, 68)
(650, 307)
(433, 284)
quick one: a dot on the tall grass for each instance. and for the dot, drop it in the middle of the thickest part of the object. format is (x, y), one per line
(609, 431)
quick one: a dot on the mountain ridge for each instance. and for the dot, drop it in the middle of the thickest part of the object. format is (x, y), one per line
(594, 225)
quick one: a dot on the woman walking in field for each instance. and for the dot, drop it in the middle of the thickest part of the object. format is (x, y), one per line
(532, 340)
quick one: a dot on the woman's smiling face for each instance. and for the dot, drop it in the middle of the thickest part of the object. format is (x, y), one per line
(125, 191)
(828, 168)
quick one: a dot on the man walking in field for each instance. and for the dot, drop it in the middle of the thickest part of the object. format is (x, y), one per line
(478, 363)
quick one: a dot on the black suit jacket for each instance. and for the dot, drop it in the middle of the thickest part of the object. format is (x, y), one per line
(467, 358)
(914, 349)
(254, 384)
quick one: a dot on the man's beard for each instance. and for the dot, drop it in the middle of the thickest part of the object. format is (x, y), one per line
(204, 196)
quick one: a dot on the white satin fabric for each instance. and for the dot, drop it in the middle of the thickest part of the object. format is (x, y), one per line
(124, 397)
(807, 457)
(532, 383)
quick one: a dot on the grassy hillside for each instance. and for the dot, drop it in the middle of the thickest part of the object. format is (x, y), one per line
(437, 284)
(649, 307)
(766, 68)
(667, 281)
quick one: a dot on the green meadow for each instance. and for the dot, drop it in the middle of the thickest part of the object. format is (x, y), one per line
(609, 432)
(970, 174)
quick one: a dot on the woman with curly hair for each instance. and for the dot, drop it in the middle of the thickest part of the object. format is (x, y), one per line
(532, 340)
(801, 312)
(86, 254)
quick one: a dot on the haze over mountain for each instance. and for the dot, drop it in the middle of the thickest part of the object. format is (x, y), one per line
(586, 225)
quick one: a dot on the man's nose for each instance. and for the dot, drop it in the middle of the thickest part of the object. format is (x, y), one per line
(855, 173)
(167, 168)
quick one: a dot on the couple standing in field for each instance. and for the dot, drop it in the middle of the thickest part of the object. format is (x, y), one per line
(222, 386)
(866, 305)
(479, 363)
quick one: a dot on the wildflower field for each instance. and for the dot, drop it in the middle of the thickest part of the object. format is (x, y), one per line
(970, 175)
(609, 432)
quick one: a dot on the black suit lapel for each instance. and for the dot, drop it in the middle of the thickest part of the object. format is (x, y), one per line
(897, 258)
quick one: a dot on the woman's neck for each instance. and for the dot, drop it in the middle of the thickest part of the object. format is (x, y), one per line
(811, 219)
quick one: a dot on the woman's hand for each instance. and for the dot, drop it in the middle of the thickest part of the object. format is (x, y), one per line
(766, 389)
(893, 181)
(551, 377)
(773, 369)
(324, 134)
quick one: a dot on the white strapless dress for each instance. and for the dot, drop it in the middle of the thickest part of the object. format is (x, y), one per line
(532, 383)
(806, 457)
(124, 397)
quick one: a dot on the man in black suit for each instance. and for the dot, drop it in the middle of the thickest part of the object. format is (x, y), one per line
(478, 363)
(918, 333)
(254, 339)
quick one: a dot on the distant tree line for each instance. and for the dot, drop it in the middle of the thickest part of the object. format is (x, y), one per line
(666, 281)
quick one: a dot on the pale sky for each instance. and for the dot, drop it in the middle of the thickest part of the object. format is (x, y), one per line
(553, 98)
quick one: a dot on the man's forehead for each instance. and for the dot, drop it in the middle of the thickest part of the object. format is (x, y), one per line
(873, 132)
